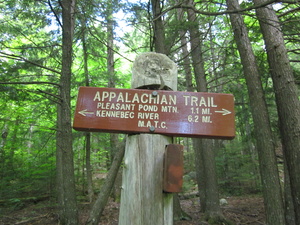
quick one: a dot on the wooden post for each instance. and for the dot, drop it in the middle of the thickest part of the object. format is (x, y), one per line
(143, 201)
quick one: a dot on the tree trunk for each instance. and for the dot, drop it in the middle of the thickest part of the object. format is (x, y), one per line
(88, 165)
(289, 206)
(4, 134)
(14, 138)
(64, 162)
(110, 65)
(262, 128)
(286, 94)
(100, 203)
(196, 50)
(200, 172)
(204, 151)
(158, 26)
(178, 213)
(185, 55)
(110, 45)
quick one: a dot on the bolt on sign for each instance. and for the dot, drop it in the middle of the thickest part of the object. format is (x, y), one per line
(174, 113)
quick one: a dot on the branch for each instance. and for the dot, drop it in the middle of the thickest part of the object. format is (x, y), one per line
(31, 47)
(27, 123)
(58, 101)
(32, 82)
(56, 16)
(290, 2)
(47, 93)
(289, 11)
(102, 42)
(221, 84)
(180, 5)
(295, 51)
(20, 58)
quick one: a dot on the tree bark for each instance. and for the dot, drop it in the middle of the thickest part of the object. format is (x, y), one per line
(286, 94)
(185, 54)
(288, 200)
(179, 214)
(158, 26)
(110, 45)
(65, 168)
(200, 172)
(87, 135)
(264, 139)
(88, 166)
(204, 152)
(110, 65)
(4, 134)
(100, 203)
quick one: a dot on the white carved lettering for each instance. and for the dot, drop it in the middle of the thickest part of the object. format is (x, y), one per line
(169, 108)
(149, 123)
(151, 116)
(202, 101)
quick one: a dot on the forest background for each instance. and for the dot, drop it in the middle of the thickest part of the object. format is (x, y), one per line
(50, 48)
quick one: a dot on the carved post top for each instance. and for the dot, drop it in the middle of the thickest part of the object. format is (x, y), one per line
(154, 71)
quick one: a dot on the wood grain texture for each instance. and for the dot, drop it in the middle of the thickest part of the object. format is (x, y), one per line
(142, 199)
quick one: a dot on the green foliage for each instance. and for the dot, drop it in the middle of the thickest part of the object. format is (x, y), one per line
(237, 167)
(30, 64)
(189, 182)
(29, 169)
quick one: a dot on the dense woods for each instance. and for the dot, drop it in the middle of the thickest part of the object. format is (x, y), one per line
(49, 48)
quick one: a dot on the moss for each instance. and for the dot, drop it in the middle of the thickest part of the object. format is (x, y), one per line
(217, 220)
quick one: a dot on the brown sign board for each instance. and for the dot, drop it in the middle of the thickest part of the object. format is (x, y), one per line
(173, 168)
(174, 113)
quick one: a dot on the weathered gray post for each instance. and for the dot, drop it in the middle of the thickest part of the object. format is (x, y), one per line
(142, 199)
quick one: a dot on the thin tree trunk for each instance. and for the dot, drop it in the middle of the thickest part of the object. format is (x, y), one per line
(185, 55)
(178, 213)
(204, 151)
(159, 33)
(262, 128)
(110, 64)
(217, 85)
(100, 203)
(200, 172)
(65, 167)
(14, 138)
(110, 45)
(87, 135)
(286, 94)
(88, 166)
(4, 134)
(199, 166)
(289, 206)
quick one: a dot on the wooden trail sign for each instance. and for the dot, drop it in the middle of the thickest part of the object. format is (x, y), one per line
(148, 114)
(174, 113)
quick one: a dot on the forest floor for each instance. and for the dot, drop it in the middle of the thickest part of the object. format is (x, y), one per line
(239, 210)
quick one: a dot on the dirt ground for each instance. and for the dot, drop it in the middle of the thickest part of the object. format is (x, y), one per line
(239, 210)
